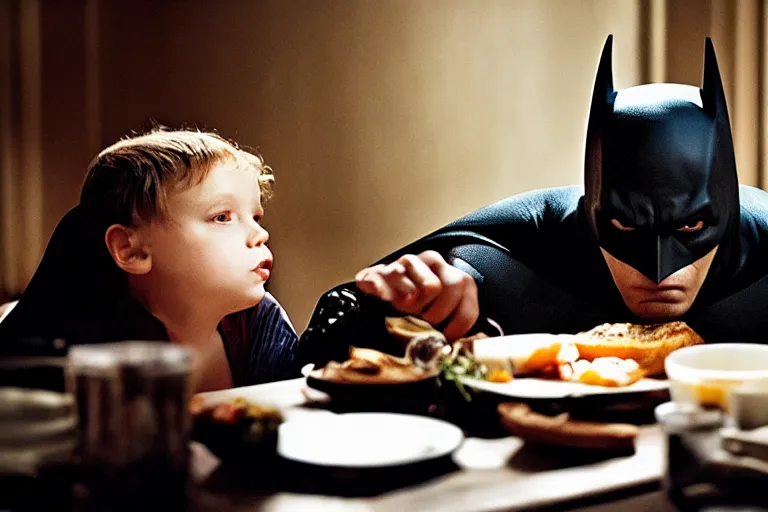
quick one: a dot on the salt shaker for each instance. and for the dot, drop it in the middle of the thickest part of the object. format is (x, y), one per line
(749, 404)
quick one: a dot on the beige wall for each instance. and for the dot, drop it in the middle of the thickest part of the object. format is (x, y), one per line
(383, 119)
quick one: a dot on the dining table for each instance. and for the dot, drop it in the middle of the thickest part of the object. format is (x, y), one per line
(486, 473)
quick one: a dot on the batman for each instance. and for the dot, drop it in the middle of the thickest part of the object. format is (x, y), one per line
(660, 231)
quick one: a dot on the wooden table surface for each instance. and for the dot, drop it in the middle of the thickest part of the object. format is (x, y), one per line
(484, 474)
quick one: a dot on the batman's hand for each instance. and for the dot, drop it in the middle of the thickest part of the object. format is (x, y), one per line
(427, 286)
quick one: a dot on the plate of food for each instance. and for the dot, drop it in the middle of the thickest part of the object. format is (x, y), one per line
(374, 379)
(609, 359)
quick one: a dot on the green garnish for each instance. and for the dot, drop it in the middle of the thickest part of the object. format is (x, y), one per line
(455, 366)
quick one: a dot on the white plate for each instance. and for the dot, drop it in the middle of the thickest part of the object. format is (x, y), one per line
(531, 387)
(366, 439)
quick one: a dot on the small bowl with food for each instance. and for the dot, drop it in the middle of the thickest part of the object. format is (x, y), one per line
(706, 374)
(236, 430)
(371, 380)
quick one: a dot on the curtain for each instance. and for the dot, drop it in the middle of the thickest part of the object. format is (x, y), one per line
(20, 144)
(673, 38)
(49, 123)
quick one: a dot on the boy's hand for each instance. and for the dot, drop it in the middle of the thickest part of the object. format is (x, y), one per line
(428, 287)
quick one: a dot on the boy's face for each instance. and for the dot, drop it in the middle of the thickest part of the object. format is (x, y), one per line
(211, 247)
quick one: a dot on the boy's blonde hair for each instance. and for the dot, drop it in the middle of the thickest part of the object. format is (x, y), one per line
(128, 182)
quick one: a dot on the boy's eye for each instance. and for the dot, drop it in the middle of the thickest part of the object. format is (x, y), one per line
(621, 227)
(222, 217)
(692, 227)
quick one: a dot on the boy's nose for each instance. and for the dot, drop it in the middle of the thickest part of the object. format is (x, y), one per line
(257, 236)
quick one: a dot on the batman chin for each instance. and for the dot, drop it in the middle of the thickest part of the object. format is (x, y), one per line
(661, 189)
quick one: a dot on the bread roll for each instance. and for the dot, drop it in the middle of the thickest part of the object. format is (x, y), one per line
(648, 345)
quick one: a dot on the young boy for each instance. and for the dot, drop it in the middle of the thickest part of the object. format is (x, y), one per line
(166, 244)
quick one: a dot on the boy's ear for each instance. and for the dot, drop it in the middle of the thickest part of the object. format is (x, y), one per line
(127, 249)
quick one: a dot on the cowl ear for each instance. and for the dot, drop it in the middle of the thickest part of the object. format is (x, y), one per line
(602, 95)
(603, 90)
(712, 93)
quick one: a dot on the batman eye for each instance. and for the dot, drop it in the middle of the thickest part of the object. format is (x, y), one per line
(621, 227)
(692, 228)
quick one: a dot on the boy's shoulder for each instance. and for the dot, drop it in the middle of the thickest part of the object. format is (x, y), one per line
(261, 343)
(268, 310)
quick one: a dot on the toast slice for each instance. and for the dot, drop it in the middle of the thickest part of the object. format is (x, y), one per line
(520, 420)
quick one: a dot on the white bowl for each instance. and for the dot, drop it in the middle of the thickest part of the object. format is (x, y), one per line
(705, 374)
